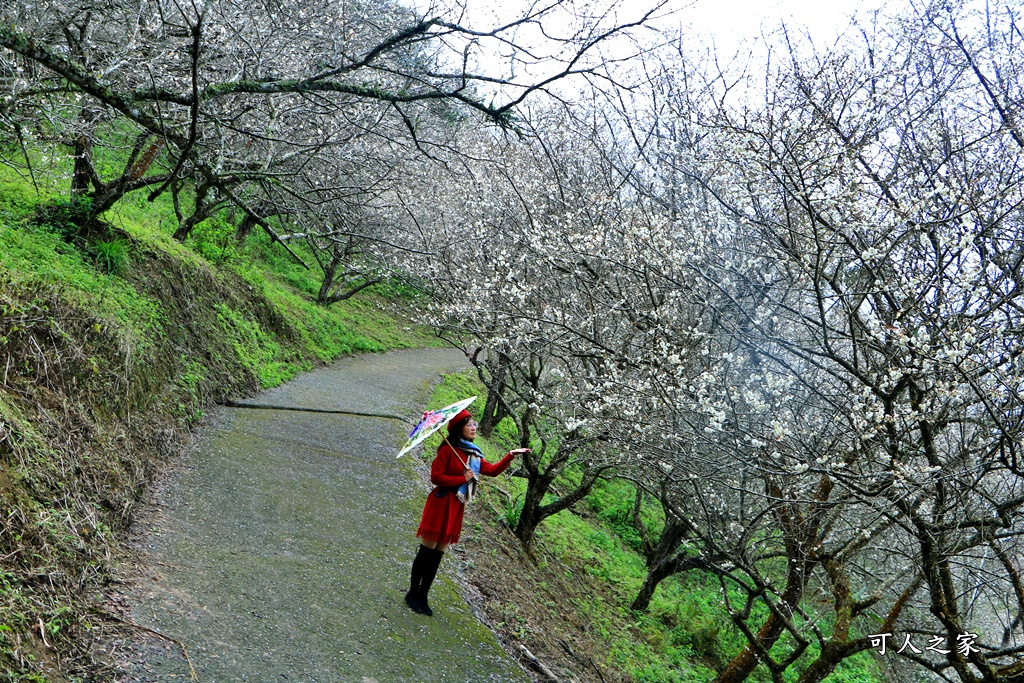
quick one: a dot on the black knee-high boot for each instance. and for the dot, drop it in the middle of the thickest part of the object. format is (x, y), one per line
(423, 559)
(429, 572)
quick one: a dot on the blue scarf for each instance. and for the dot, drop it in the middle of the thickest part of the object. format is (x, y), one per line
(474, 459)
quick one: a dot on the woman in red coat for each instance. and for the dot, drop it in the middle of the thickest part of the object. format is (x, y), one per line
(456, 467)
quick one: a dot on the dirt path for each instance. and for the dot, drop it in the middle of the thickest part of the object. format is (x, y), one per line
(282, 548)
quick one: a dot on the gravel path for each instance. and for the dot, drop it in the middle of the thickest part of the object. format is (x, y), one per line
(282, 548)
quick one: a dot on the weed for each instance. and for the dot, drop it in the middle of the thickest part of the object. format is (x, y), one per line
(111, 255)
(215, 240)
(510, 514)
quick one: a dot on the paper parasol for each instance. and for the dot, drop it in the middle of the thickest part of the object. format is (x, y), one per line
(431, 422)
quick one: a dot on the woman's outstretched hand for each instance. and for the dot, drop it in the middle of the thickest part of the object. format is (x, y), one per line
(519, 451)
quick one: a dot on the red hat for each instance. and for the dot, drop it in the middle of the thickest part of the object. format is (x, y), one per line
(457, 423)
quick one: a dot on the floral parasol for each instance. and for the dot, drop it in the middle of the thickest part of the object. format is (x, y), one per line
(431, 421)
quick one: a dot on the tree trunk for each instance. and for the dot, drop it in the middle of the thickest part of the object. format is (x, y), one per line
(245, 228)
(330, 272)
(662, 560)
(747, 660)
(676, 565)
(655, 575)
(530, 518)
(494, 409)
(198, 215)
(81, 176)
(831, 655)
(86, 183)
(537, 486)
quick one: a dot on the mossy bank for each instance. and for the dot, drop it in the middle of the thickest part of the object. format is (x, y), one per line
(114, 340)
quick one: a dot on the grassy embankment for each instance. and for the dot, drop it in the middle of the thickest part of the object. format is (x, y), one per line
(114, 340)
(569, 604)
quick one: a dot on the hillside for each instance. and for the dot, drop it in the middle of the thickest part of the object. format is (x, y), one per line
(115, 340)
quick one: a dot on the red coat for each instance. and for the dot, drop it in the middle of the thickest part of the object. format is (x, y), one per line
(442, 514)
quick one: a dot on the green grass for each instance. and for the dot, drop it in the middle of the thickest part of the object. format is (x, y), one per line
(33, 256)
(612, 500)
(99, 278)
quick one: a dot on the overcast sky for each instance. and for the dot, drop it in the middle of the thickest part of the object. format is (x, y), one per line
(730, 26)
(734, 28)
(730, 22)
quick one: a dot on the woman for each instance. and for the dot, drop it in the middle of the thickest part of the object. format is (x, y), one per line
(457, 464)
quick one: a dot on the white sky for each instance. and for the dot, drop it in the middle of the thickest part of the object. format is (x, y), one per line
(731, 22)
(731, 26)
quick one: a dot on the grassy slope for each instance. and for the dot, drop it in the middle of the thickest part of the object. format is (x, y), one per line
(569, 604)
(112, 344)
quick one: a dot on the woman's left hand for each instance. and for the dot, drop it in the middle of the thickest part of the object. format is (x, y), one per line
(519, 451)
